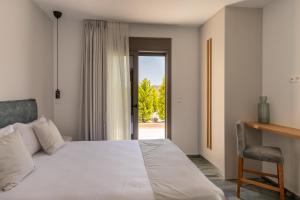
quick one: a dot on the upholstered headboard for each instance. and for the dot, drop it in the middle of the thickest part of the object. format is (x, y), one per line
(23, 111)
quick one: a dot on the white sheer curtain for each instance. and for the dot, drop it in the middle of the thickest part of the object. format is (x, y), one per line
(118, 82)
(105, 88)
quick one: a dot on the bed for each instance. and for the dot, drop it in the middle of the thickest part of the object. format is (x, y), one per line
(108, 170)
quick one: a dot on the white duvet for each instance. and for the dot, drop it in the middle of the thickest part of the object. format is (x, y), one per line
(119, 170)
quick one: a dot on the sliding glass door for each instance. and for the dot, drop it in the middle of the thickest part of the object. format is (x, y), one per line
(150, 118)
(151, 96)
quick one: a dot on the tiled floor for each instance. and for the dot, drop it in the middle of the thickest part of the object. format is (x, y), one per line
(229, 187)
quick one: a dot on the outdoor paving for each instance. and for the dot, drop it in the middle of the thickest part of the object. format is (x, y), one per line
(151, 131)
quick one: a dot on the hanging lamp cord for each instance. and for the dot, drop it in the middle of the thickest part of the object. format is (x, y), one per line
(57, 53)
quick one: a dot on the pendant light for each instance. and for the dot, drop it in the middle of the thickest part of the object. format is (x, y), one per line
(57, 15)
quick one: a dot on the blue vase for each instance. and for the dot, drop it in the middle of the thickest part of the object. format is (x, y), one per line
(263, 110)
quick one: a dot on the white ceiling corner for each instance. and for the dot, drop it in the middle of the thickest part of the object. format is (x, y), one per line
(173, 12)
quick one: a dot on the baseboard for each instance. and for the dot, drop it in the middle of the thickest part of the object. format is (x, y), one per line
(287, 192)
(194, 156)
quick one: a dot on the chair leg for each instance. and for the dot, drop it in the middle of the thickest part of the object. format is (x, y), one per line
(280, 181)
(240, 176)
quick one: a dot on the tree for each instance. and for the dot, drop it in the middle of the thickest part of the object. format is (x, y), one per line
(145, 100)
(155, 99)
(162, 100)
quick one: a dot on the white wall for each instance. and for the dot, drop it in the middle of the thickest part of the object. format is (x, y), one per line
(236, 82)
(26, 54)
(281, 59)
(215, 29)
(243, 80)
(185, 78)
(66, 109)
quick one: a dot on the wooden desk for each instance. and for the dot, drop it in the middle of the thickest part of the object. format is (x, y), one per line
(274, 128)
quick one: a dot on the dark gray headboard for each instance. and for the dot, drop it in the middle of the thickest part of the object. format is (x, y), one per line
(23, 111)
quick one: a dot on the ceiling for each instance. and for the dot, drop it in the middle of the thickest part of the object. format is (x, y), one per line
(253, 3)
(175, 12)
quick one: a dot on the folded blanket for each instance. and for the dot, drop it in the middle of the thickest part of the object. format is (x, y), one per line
(173, 176)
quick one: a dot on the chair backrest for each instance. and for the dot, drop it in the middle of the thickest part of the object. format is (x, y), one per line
(241, 138)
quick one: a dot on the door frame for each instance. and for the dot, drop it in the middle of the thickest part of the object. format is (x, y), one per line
(156, 46)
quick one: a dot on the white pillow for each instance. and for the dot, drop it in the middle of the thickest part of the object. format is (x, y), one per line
(6, 130)
(15, 161)
(49, 136)
(29, 138)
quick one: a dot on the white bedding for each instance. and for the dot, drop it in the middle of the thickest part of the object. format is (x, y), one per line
(173, 176)
(115, 171)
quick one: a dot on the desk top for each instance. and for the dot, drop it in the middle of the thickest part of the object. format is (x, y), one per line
(274, 128)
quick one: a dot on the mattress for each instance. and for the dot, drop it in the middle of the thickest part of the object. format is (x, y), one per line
(115, 170)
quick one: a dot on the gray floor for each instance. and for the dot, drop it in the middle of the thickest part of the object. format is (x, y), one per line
(229, 187)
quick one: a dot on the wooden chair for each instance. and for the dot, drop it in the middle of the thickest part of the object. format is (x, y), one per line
(262, 153)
